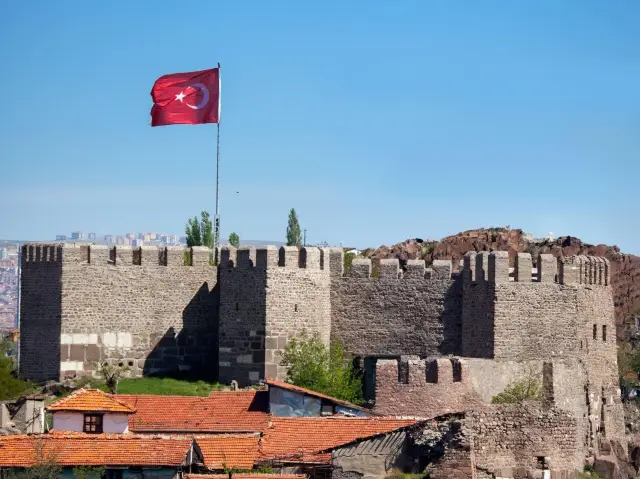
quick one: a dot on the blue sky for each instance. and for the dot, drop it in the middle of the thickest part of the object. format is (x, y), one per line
(376, 120)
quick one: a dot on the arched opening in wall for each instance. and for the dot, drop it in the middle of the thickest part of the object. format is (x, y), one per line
(595, 331)
(369, 378)
(295, 308)
(456, 366)
(604, 332)
(602, 415)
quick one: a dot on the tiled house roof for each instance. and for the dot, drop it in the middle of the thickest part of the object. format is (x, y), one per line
(226, 450)
(91, 400)
(300, 438)
(78, 449)
(222, 411)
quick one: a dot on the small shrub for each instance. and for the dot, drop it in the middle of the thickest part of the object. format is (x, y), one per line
(528, 388)
(313, 366)
(111, 373)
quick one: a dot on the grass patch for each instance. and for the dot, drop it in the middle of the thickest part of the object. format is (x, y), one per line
(155, 385)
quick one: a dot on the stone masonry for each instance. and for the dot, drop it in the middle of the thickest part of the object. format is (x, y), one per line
(442, 341)
(138, 307)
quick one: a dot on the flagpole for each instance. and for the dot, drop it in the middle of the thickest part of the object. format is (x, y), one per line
(216, 240)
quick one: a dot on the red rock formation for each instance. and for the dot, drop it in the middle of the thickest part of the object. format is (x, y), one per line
(625, 268)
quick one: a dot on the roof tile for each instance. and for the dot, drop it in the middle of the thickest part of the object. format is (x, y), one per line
(91, 400)
(78, 449)
(300, 438)
(222, 411)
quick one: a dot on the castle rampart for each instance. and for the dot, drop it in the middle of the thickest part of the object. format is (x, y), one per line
(268, 296)
(423, 387)
(411, 310)
(142, 307)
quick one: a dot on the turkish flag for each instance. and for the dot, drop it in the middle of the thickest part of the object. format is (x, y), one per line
(186, 98)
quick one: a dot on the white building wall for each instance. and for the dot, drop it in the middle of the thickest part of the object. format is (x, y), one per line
(74, 421)
(116, 423)
(68, 421)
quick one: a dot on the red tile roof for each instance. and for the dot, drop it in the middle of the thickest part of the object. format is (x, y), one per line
(222, 411)
(91, 400)
(299, 438)
(290, 387)
(77, 449)
(235, 451)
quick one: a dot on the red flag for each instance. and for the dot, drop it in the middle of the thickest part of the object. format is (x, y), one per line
(186, 98)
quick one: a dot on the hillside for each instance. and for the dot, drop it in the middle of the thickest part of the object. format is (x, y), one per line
(625, 268)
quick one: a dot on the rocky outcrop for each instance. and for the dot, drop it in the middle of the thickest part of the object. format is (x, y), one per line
(625, 268)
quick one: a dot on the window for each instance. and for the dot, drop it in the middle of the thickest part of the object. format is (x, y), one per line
(595, 331)
(93, 423)
(604, 332)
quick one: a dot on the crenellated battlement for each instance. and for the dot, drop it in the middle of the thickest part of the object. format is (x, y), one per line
(422, 372)
(271, 257)
(592, 270)
(494, 268)
(390, 269)
(64, 253)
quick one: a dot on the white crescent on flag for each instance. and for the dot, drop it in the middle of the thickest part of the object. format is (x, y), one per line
(205, 96)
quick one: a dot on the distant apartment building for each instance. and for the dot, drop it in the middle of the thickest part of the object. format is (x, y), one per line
(61, 237)
(123, 240)
(146, 237)
(77, 235)
(109, 239)
(92, 236)
(137, 242)
(3, 253)
(172, 239)
(131, 236)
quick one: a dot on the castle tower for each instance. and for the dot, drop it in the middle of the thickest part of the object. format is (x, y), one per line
(268, 296)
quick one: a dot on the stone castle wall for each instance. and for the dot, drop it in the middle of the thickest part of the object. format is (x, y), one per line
(411, 311)
(269, 296)
(510, 437)
(139, 307)
(418, 387)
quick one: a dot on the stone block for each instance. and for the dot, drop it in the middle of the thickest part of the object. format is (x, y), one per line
(123, 340)
(254, 376)
(93, 339)
(272, 371)
(282, 342)
(76, 352)
(66, 339)
(109, 340)
(79, 338)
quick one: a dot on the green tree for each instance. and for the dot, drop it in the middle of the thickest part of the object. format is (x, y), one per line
(10, 386)
(294, 233)
(86, 472)
(200, 233)
(527, 388)
(111, 373)
(234, 240)
(314, 366)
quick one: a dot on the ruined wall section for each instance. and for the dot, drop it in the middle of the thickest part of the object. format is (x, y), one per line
(509, 437)
(424, 388)
(140, 307)
(269, 296)
(410, 311)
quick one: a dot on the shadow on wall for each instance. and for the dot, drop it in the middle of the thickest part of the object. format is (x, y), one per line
(191, 352)
(41, 358)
